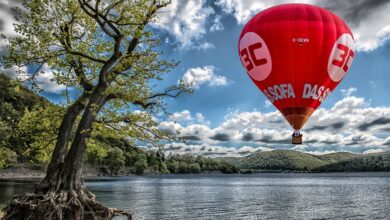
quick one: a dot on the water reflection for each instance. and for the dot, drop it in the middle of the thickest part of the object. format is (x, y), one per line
(264, 196)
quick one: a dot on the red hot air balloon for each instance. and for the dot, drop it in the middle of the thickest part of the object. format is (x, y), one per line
(296, 54)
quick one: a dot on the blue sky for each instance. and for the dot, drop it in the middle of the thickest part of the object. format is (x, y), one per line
(228, 116)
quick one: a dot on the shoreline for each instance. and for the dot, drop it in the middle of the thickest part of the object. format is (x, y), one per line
(36, 179)
(35, 172)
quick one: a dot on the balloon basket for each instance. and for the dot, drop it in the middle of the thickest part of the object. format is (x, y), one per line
(297, 140)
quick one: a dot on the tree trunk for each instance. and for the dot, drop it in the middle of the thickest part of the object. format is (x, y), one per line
(74, 159)
(66, 171)
(64, 133)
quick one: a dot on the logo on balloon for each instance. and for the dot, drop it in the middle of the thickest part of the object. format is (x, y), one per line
(255, 56)
(341, 57)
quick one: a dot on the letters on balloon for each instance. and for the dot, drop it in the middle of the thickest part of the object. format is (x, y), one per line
(286, 91)
(278, 92)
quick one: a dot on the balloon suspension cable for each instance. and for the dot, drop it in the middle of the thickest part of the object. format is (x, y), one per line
(297, 133)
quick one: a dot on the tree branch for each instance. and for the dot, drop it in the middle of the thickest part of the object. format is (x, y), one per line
(153, 8)
(79, 71)
(149, 101)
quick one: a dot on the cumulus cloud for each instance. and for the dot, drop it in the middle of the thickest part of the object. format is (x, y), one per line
(200, 75)
(350, 125)
(212, 150)
(47, 83)
(369, 20)
(186, 21)
(184, 115)
(44, 80)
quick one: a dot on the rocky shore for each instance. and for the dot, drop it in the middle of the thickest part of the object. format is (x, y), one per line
(37, 171)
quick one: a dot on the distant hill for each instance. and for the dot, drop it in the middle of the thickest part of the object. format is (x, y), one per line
(360, 163)
(280, 160)
(336, 157)
(289, 160)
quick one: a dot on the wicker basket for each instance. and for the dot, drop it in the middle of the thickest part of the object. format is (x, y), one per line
(297, 140)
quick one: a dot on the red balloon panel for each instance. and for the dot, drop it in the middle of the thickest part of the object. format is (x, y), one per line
(296, 54)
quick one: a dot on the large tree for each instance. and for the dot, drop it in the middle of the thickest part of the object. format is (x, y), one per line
(105, 51)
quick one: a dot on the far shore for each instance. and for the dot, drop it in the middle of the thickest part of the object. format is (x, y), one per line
(36, 179)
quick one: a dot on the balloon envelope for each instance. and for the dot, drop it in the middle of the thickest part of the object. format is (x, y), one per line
(296, 54)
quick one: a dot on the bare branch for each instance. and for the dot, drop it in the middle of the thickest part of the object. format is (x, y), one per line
(151, 100)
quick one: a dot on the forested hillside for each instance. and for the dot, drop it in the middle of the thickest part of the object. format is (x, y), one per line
(361, 163)
(278, 160)
(288, 160)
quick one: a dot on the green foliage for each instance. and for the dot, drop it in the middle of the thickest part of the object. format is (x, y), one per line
(140, 166)
(97, 151)
(225, 167)
(15, 101)
(37, 130)
(163, 168)
(7, 157)
(115, 160)
(336, 157)
(196, 164)
(288, 160)
(173, 167)
(280, 160)
(194, 168)
(361, 163)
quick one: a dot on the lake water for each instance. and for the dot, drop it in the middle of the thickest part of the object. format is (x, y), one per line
(259, 196)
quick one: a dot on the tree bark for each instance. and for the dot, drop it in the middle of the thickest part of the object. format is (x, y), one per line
(69, 177)
(65, 131)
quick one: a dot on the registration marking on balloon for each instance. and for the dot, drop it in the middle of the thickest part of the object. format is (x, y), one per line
(255, 56)
(341, 57)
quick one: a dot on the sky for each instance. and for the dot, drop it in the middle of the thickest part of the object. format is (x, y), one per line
(227, 115)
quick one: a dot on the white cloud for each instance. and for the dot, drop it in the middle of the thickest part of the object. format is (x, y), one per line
(200, 119)
(205, 46)
(200, 75)
(15, 72)
(373, 151)
(217, 26)
(6, 22)
(44, 80)
(186, 21)
(184, 115)
(369, 20)
(348, 92)
(211, 150)
(244, 10)
(350, 125)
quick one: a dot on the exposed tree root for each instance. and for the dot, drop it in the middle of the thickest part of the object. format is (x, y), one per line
(62, 206)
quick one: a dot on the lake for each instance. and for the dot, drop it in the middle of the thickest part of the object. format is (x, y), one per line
(239, 196)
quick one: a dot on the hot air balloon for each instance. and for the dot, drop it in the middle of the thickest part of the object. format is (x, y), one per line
(296, 54)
